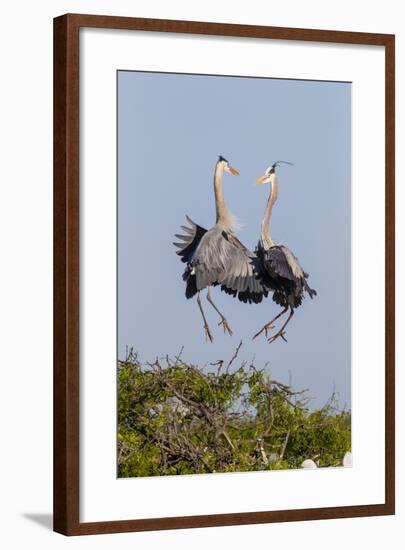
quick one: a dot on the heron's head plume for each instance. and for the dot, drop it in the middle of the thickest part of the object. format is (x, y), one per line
(227, 167)
(266, 177)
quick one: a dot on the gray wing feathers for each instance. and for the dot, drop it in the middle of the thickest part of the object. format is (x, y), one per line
(208, 261)
(215, 257)
(189, 241)
(284, 263)
(221, 258)
(279, 260)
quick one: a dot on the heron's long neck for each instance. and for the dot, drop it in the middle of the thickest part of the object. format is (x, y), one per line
(224, 218)
(266, 236)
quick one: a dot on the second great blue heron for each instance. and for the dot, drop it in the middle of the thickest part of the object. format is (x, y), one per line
(217, 257)
(280, 270)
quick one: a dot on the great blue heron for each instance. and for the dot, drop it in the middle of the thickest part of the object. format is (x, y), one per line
(280, 270)
(217, 257)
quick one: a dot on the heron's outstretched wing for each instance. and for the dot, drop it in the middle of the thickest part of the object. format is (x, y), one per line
(215, 257)
(241, 277)
(279, 261)
(222, 259)
(190, 240)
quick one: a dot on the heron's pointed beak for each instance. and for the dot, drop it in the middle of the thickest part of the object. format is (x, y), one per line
(261, 180)
(233, 171)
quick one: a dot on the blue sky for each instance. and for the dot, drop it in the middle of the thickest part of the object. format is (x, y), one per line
(171, 129)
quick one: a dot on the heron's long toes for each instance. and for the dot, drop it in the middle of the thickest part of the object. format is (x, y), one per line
(208, 335)
(264, 329)
(226, 327)
(280, 334)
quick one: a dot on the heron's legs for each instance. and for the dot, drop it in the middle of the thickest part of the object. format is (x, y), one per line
(269, 325)
(223, 321)
(206, 327)
(281, 332)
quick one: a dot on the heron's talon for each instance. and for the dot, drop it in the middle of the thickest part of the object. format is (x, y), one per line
(280, 334)
(226, 327)
(265, 329)
(208, 335)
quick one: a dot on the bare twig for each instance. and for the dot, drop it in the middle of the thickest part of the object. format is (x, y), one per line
(235, 355)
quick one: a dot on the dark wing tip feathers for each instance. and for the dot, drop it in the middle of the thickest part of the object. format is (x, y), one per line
(247, 287)
(190, 239)
(187, 247)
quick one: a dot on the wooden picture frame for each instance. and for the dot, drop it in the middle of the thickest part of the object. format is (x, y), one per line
(67, 284)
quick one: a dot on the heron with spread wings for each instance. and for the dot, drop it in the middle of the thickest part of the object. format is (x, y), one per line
(216, 257)
(280, 271)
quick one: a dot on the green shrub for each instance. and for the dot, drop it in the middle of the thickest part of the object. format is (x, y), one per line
(176, 418)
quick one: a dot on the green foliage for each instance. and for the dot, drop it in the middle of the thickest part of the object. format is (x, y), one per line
(180, 419)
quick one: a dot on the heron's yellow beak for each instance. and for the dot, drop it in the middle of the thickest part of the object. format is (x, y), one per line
(233, 171)
(261, 180)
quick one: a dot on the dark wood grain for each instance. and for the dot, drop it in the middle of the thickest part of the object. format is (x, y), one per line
(390, 274)
(226, 29)
(66, 276)
(66, 273)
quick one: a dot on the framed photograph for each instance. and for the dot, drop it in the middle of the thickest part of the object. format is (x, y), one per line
(223, 274)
